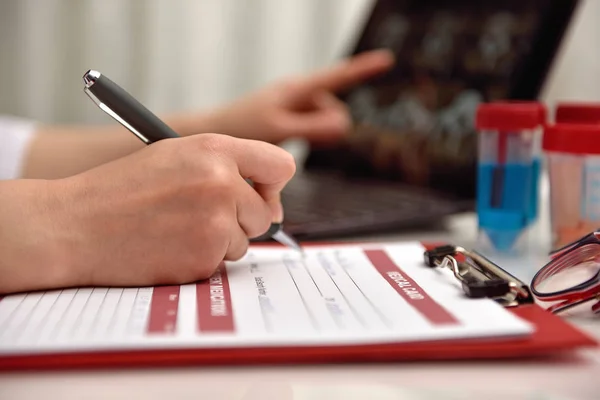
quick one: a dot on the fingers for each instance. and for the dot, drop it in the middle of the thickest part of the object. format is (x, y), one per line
(254, 218)
(352, 71)
(253, 214)
(269, 167)
(272, 196)
(238, 244)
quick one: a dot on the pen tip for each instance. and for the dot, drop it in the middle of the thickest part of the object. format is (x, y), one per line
(301, 251)
(296, 246)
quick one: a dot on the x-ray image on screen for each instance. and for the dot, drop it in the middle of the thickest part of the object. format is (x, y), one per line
(451, 56)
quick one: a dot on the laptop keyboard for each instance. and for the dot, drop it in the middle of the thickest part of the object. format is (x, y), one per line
(322, 204)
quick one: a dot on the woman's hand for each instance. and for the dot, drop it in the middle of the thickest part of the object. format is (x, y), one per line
(166, 214)
(297, 107)
(301, 107)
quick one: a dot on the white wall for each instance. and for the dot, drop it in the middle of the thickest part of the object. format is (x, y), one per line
(576, 73)
(176, 54)
(173, 54)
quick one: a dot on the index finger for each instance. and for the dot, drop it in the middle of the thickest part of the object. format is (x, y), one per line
(352, 71)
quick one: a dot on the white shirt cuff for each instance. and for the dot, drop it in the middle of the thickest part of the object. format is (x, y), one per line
(15, 136)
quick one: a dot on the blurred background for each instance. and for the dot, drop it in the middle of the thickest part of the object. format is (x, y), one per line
(182, 54)
(171, 54)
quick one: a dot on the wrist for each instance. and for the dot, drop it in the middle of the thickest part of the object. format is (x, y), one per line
(34, 237)
(194, 122)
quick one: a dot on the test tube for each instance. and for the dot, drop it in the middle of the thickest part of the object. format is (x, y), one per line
(509, 160)
(573, 156)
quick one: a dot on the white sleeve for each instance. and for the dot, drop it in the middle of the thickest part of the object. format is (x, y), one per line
(15, 135)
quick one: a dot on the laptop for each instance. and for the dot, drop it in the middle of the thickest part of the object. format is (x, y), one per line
(410, 160)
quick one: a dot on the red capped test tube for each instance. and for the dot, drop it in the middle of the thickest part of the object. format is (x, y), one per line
(573, 157)
(508, 172)
(577, 113)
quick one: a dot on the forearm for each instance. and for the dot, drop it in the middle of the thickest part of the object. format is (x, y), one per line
(31, 236)
(57, 152)
(61, 151)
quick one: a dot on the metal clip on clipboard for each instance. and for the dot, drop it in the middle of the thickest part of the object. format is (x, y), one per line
(480, 278)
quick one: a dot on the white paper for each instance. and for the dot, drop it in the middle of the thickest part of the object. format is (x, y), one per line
(335, 295)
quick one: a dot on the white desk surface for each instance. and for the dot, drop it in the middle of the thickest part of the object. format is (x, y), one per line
(570, 379)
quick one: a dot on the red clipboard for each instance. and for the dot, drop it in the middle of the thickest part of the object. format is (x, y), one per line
(552, 336)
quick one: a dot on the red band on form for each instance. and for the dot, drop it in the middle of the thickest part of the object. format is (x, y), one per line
(163, 309)
(213, 298)
(409, 289)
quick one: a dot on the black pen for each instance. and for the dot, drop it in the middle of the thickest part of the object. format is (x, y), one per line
(120, 105)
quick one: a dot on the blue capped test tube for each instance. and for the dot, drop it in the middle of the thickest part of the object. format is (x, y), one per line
(509, 162)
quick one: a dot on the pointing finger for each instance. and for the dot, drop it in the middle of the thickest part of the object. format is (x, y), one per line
(352, 71)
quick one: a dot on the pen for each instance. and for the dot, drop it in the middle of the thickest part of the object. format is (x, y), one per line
(124, 108)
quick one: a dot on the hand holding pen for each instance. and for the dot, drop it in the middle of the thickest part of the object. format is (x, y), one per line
(121, 106)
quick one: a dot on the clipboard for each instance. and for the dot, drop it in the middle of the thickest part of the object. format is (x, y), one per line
(479, 276)
(553, 336)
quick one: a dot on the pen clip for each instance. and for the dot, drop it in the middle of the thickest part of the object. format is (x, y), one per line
(89, 79)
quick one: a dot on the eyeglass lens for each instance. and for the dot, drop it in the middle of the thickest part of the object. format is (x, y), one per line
(572, 269)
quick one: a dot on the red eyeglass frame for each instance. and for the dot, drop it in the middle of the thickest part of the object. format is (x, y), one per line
(563, 259)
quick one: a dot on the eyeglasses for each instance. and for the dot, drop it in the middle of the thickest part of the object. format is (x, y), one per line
(572, 277)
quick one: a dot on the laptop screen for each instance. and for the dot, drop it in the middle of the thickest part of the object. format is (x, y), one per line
(415, 124)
